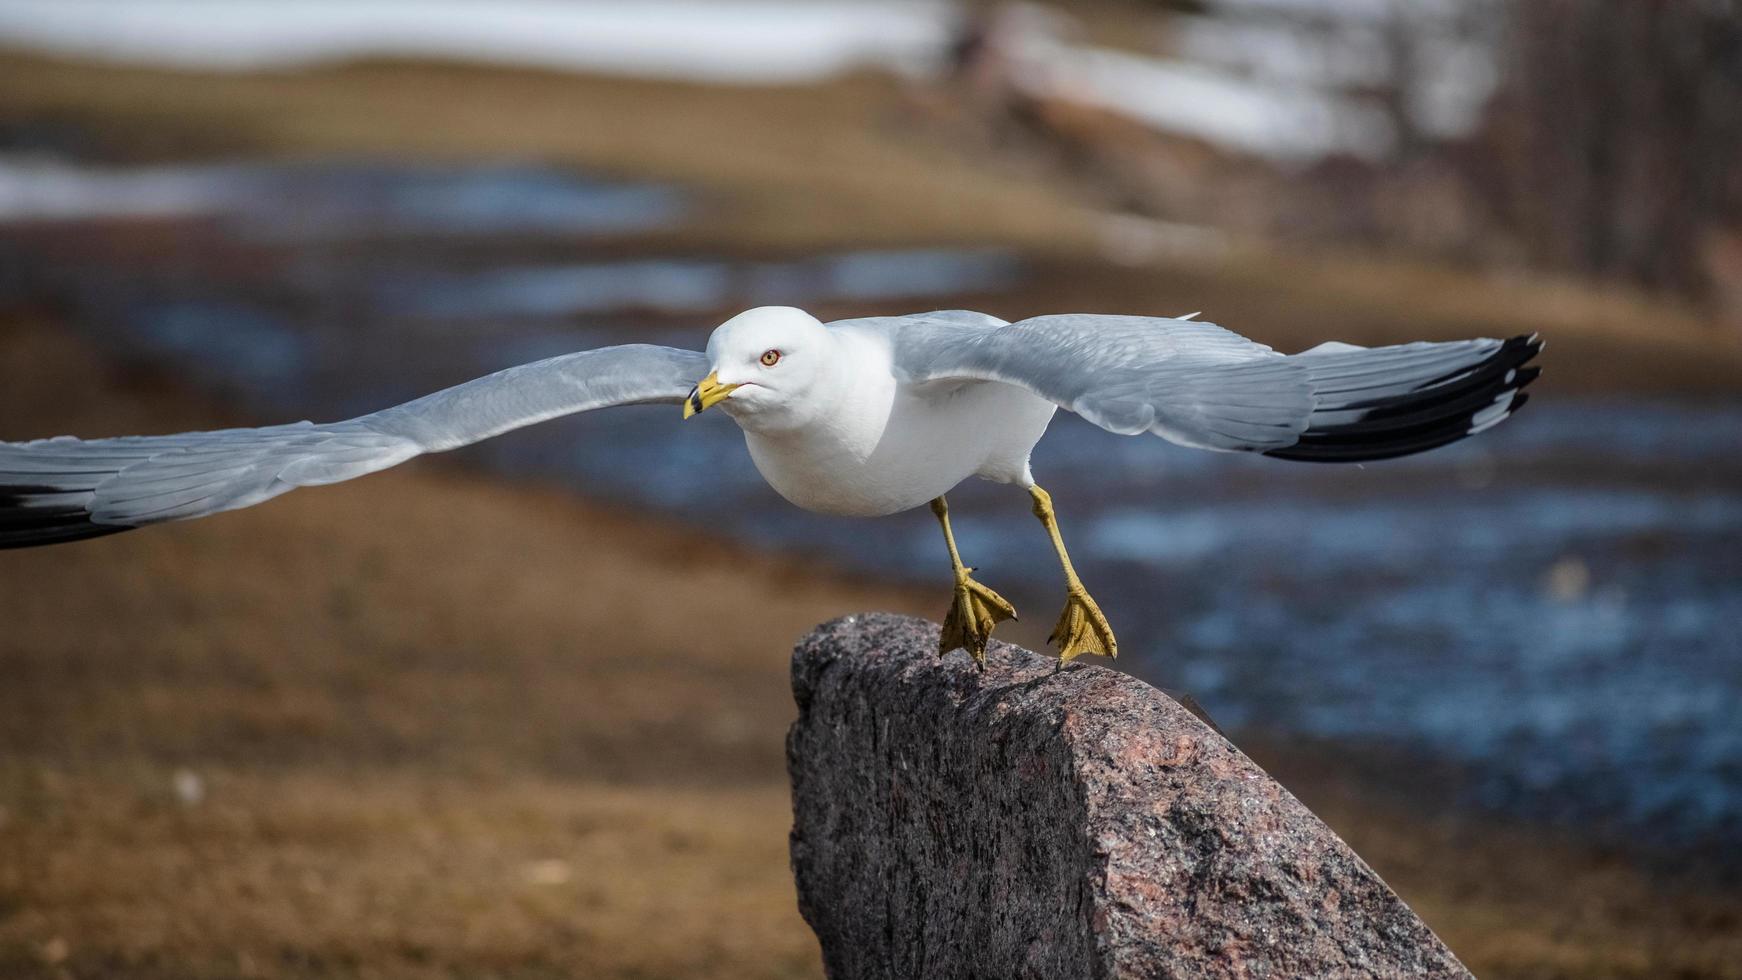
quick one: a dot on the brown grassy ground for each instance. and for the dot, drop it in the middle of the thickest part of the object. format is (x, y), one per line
(442, 727)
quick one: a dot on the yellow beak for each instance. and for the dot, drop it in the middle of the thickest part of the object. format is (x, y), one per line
(706, 394)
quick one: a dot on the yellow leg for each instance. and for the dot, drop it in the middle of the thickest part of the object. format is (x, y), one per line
(1081, 628)
(974, 609)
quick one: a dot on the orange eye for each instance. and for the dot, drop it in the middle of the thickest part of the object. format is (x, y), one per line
(770, 357)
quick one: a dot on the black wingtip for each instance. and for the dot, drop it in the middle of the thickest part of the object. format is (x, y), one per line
(1438, 412)
(27, 523)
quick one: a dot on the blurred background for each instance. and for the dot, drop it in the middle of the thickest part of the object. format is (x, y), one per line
(518, 712)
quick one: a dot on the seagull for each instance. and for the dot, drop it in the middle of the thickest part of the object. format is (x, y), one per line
(860, 418)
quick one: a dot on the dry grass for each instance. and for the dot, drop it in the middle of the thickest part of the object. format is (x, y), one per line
(1513, 900)
(504, 733)
(790, 166)
(443, 728)
(388, 874)
(852, 162)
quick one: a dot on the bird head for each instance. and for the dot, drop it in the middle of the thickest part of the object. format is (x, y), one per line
(767, 363)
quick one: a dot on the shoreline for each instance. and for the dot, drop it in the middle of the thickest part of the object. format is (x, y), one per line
(807, 169)
(435, 723)
(429, 687)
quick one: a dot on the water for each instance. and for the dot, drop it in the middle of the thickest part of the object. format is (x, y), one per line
(1553, 607)
(681, 285)
(335, 201)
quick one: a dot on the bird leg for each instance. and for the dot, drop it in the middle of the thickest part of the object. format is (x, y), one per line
(974, 609)
(1081, 628)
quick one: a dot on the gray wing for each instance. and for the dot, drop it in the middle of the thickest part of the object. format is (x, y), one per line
(1197, 384)
(64, 489)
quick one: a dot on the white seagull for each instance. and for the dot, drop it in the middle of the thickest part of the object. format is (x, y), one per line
(860, 417)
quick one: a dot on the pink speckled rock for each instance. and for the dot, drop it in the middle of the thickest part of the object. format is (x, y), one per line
(1026, 823)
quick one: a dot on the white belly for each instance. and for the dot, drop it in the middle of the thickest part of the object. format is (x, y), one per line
(902, 449)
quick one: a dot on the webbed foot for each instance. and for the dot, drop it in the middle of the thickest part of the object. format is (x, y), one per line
(1082, 628)
(974, 611)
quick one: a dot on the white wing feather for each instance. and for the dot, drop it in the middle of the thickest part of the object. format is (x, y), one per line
(1199, 385)
(64, 488)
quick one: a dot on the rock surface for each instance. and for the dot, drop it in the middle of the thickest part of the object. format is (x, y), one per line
(1026, 823)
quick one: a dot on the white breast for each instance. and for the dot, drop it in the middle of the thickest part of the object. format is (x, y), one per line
(887, 447)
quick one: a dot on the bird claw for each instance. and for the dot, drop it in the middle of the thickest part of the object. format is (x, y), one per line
(974, 611)
(1082, 628)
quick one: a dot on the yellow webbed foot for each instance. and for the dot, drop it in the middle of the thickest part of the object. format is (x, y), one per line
(974, 611)
(1082, 628)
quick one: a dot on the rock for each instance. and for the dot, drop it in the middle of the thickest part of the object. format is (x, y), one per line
(1026, 823)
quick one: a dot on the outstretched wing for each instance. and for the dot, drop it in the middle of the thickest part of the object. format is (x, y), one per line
(64, 489)
(1197, 384)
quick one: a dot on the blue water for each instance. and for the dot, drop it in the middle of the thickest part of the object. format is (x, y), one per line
(1561, 616)
(336, 201)
(1554, 607)
(678, 285)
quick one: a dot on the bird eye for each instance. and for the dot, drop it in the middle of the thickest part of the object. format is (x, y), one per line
(770, 357)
